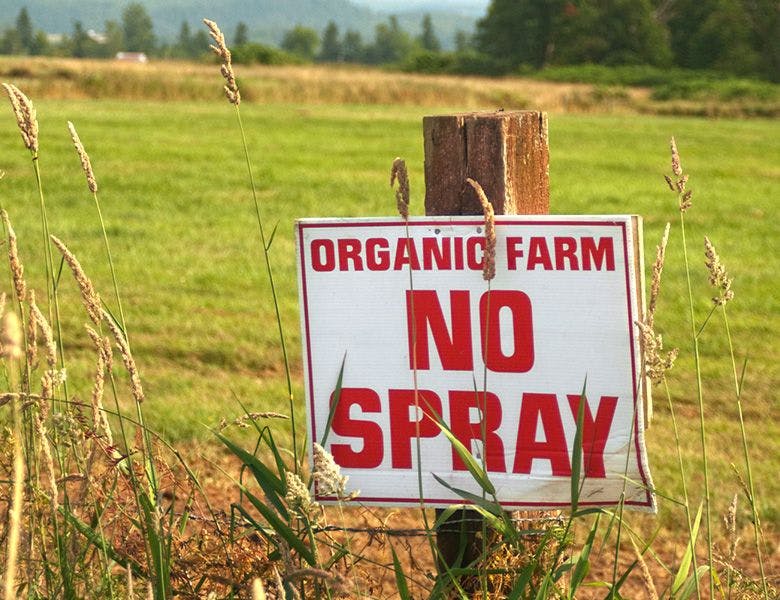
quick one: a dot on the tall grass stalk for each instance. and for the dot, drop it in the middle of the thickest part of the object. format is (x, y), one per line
(151, 527)
(684, 201)
(27, 122)
(399, 173)
(234, 97)
(11, 334)
(720, 280)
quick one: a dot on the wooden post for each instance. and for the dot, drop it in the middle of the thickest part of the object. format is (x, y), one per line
(508, 154)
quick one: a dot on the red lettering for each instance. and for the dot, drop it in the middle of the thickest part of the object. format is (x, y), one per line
(458, 253)
(465, 430)
(349, 250)
(323, 255)
(566, 249)
(377, 254)
(436, 250)
(405, 429)
(513, 252)
(475, 264)
(371, 454)
(538, 254)
(521, 360)
(536, 408)
(406, 254)
(595, 433)
(423, 311)
(597, 254)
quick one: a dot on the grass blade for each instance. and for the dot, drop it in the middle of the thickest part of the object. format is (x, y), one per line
(685, 563)
(582, 566)
(400, 578)
(273, 487)
(334, 403)
(472, 464)
(281, 528)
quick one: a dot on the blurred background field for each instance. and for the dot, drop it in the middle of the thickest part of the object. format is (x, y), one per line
(176, 201)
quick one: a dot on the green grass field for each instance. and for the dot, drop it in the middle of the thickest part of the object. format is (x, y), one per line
(176, 200)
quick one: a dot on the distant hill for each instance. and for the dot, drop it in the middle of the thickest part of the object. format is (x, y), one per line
(267, 19)
(471, 8)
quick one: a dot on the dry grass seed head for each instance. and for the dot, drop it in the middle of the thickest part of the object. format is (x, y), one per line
(327, 473)
(89, 296)
(32, 335)
(676, 168)
(489, 256)
(678, 185)
(658, 267)
(644, 571)
(17, 269)
(26, 117)
(730, 520)
(99, 418)
(86, 164)
(656, 363)
(127, 357)
(258, 590)
(719, 277)
(10, 336)
(399, 173)
(221, 50)
(47, 332)
(298, 497)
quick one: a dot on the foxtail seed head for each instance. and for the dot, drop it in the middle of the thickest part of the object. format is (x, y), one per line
(220, 49)
(10, 336)
(89, 296)
(328, 474)
(17, 270)
(86, 165)
(399, 173)
(26, 118)
(719, 277)
(678, 184)
(127, 357)
(489, 256)
(656, 362)
(298, 497)
(658, 267)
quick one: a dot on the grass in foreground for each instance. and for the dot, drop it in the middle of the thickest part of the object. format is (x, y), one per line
(189, 311)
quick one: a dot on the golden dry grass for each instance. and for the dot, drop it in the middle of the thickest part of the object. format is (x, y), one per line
(57, 78)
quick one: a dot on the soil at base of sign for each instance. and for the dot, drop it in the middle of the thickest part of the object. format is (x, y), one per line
(374, 577)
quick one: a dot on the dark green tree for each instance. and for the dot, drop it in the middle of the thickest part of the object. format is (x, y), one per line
(200, 42)
(724, 42)
(115, 38)
(612, 32)
(40, 44)
(241, 36)
(138, 29)
(79, 42)
(427, 38)
(331, 48)
(352, 47)
(301, 41)
(183, 46)
(24, 28)
(517, 32)
(764, 19)
(463, 41)
(10, 42)
(391, 43)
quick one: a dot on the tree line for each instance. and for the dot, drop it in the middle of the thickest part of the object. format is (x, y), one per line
(738, 37)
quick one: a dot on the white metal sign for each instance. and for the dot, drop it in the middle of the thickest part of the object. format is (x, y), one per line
(425, 342)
